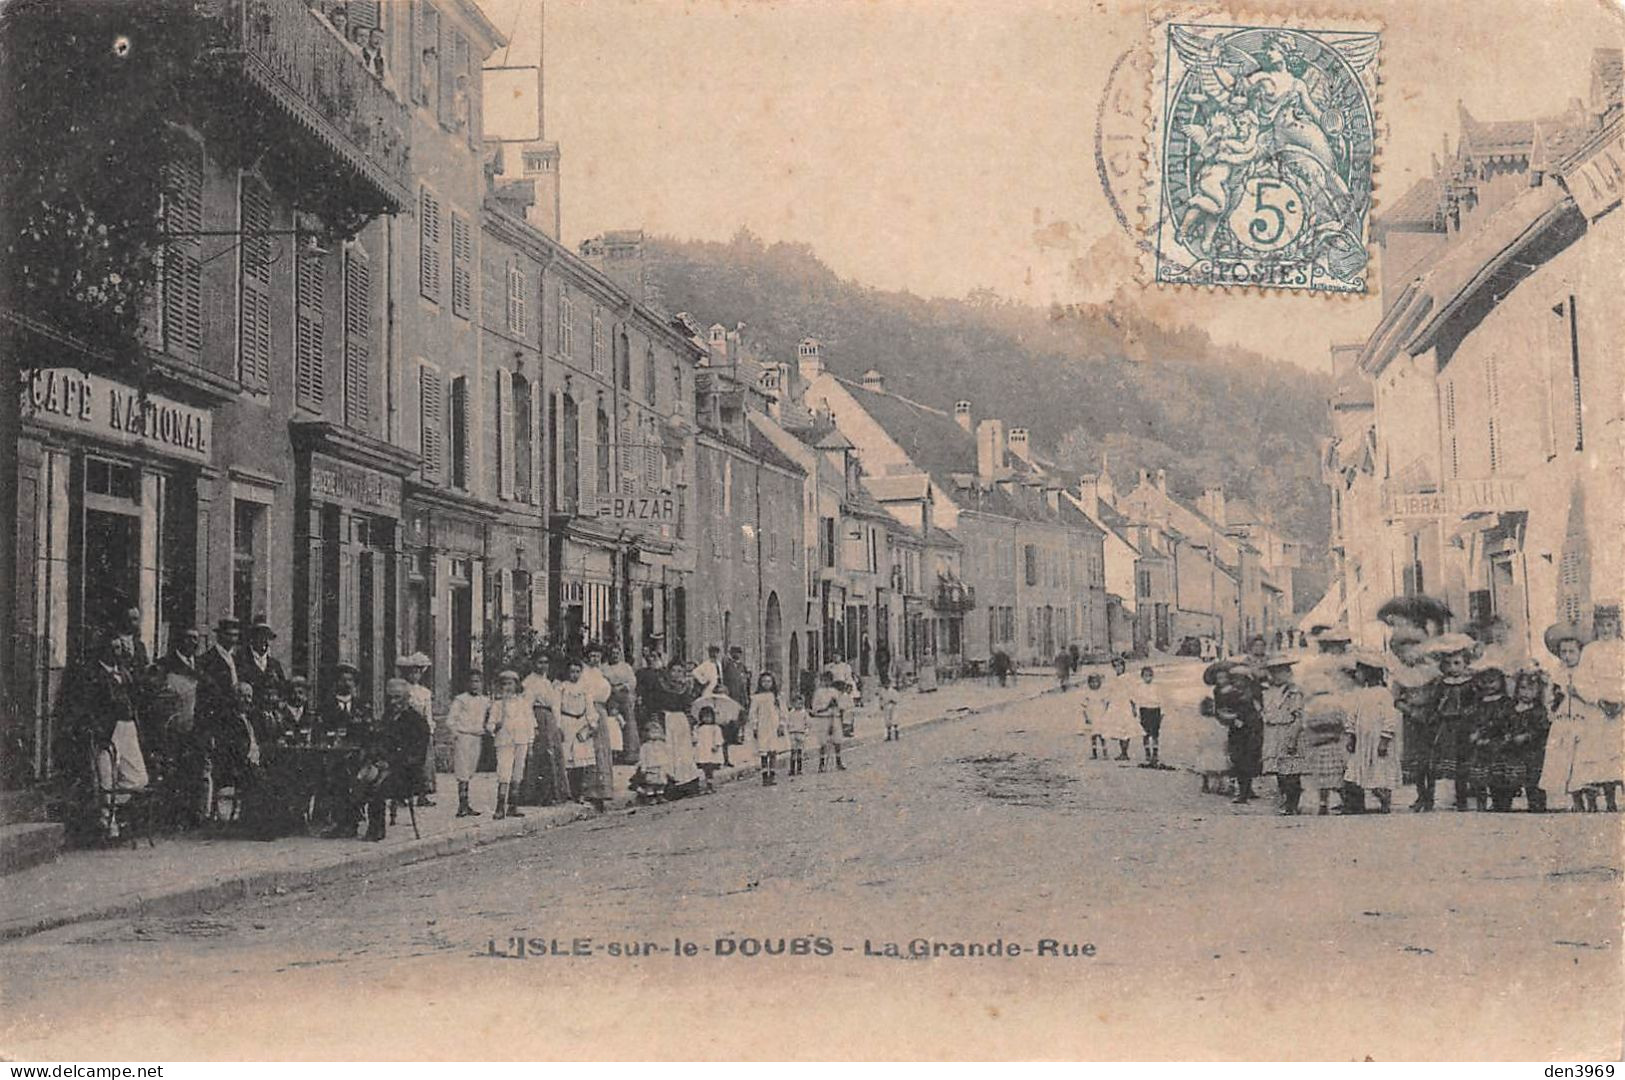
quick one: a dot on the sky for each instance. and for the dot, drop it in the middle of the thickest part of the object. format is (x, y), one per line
(941, 146)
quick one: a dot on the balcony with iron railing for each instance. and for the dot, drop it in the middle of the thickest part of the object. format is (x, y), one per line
(954, 596)
(314, 77)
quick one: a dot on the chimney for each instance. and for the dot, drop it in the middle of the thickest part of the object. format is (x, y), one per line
(875, 381)
(1052, 498)
(1145, 477)
(1212, 505)
(989, 450)
(1089, 495)
(619, 256)
(1162, 480)
(962, 414)
(809, 360)
(539, 164)
(1018, 445)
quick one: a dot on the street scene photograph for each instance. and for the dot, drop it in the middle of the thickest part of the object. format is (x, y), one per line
(812, 530)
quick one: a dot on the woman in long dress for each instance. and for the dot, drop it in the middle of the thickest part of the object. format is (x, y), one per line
(547, 778)
(766, 726)
(670, 698)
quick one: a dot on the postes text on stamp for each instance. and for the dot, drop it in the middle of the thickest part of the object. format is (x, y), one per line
(1262, 156)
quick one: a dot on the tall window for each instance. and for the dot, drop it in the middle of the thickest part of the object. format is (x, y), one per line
(1450, 428)
(250, 538)
(603, 447)
(426, 62)
(1492, 387)
(462, 266)
(518, 283)
(623, 359)
(524, 487)
(431, 422)
(597, 340)
(568, 483)
(461, 463)
(357, 337)
(254, 285)
(1574, 372)
(649, 376)
(182, 280)
(310, 329)
(1030, 557)
(566, 330)
(429, 244)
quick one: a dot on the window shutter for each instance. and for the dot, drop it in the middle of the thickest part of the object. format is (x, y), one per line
(629, 456)
(505, 440)
(254, 287)
(463, 404)
(538, 441)
(462, 272)
(357, 338)
(431, 422)
(517, 284)
(364, 13)
(429, 245)
(309, 330)
(183, 265)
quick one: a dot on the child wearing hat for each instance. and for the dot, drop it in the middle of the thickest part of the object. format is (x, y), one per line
(1528, 724)
(513, 723)
(470, 721)
(1452, 719)
(1599, 688)
(1373, 732)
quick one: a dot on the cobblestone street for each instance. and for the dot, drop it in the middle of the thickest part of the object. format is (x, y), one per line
(1216, 930)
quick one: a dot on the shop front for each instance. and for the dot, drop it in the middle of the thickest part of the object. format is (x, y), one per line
(452, 596)
(114, 493)
(348, 554)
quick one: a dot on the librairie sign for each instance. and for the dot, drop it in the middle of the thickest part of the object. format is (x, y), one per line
(1457, 498)
(73, 401)
(661, 509)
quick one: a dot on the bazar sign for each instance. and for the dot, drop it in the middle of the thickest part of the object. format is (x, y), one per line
(657, 508)
(71, 400)
(1598, 181)
(340, 482)
(1457, 498)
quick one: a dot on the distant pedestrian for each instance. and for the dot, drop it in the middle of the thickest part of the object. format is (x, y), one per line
(1212, 756)
(767, 727)
(470, 722)
(622, 700)
(888, 711)
(583, 722)
(708, 672)
(1063, 669)
(414, 670)
(710, 744)
(547, 776)
(1119, 723)
(883, 664)
(1094, 704)
(1280, 708)
(736, 681)
(1001, 666)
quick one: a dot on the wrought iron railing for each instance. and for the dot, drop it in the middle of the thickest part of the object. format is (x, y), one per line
(298, 58)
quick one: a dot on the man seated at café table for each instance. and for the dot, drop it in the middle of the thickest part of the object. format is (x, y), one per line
(387, 767)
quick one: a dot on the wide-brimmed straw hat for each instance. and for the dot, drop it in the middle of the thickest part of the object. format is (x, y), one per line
(1557, 633)
(1449, 645)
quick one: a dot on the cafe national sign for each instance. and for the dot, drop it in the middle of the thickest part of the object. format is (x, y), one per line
(90, 405)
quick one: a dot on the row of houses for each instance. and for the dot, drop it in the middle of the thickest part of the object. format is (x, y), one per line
(384, 408)
(1476, 448)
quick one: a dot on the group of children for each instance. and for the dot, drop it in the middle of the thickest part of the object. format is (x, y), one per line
(1121, 709)
(1436, 707)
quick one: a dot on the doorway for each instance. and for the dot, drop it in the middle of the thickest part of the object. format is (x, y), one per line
(462, 621)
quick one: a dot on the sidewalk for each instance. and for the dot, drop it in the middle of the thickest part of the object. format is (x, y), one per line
(192, 874)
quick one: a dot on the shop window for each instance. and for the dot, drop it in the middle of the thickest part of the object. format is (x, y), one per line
(249, 558)
(110, 478)
(417, 619)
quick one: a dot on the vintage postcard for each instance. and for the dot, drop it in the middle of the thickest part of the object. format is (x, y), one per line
(750, 530)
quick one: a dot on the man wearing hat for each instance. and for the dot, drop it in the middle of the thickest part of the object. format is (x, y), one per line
(414, 669)
(253, 660)
(345, 720)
